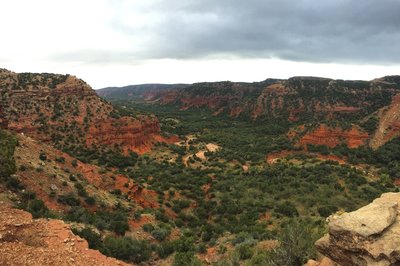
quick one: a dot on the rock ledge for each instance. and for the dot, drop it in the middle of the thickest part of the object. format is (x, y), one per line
(367, 236)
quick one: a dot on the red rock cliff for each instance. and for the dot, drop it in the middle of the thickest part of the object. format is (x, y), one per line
(332, 137)
(128, 133)
(389, 123)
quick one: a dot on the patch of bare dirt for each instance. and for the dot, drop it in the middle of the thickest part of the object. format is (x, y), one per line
(24, 241)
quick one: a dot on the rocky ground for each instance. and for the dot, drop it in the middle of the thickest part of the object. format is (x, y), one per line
(25, 241)
(367, 236)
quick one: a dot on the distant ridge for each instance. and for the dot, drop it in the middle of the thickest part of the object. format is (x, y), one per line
(128, 91)
(357, 111)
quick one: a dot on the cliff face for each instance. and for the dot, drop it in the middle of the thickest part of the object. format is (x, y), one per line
(389, 123)
(228, 97)
(65, 110)
(129, 134)
(368, 236)
(332, 137)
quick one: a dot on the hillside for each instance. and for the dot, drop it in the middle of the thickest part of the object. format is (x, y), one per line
(365, 111)
(139, 91)
(64, 110)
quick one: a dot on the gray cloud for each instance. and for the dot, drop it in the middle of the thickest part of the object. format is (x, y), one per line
(352, 31)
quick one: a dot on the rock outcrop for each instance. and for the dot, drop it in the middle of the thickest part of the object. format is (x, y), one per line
(332, 137)
(24, 241)
(367, 236)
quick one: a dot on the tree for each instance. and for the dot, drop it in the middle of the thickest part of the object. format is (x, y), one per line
(7, 148)
(296, 244)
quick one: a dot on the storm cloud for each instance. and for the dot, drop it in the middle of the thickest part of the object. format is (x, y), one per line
(345, 31)
(120, 42)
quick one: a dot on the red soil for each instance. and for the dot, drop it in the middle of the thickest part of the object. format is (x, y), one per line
(24, 241)
(332, 137)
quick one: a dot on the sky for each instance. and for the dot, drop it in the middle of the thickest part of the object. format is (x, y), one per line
(122, 42)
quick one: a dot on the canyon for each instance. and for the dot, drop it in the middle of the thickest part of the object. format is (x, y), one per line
(210, 171)
(350, 106)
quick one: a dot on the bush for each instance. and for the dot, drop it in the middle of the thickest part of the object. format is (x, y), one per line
(69, 199)
(287, 209)
(120, 226)
(296, 244)
(126, 248)
(327, 210)
(93, 238)
(37, 208)
(7, 148)
(160, 234)
(74, 163)
(202, 248)
(165, 249)
(103, 220)
(14, 184)
(245, 251)
(43, 156)
(60, 159)
(90, 200)
(186, 259)
(148, 228)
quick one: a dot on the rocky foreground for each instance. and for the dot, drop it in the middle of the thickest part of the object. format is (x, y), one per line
(367, 236)
(24, 241)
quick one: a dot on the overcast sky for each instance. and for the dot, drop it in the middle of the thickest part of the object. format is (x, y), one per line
(121, 42)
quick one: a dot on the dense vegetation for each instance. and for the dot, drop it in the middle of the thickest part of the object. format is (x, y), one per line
(283, 201)
(217, 202)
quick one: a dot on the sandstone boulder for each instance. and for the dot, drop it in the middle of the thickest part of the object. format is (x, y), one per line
(367, 236)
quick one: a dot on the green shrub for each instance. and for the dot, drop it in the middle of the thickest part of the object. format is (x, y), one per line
(74, 163)
(93, 238)
(126, 248)
(14, 184)
(186, 259)
(245, 251)
(69, 199)
(296, 244)
(165, 249)
(327, 210)
(287, 209)
(160, 234)
(7, 148)
(37, 208)
(148, 228)
(90, 200)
